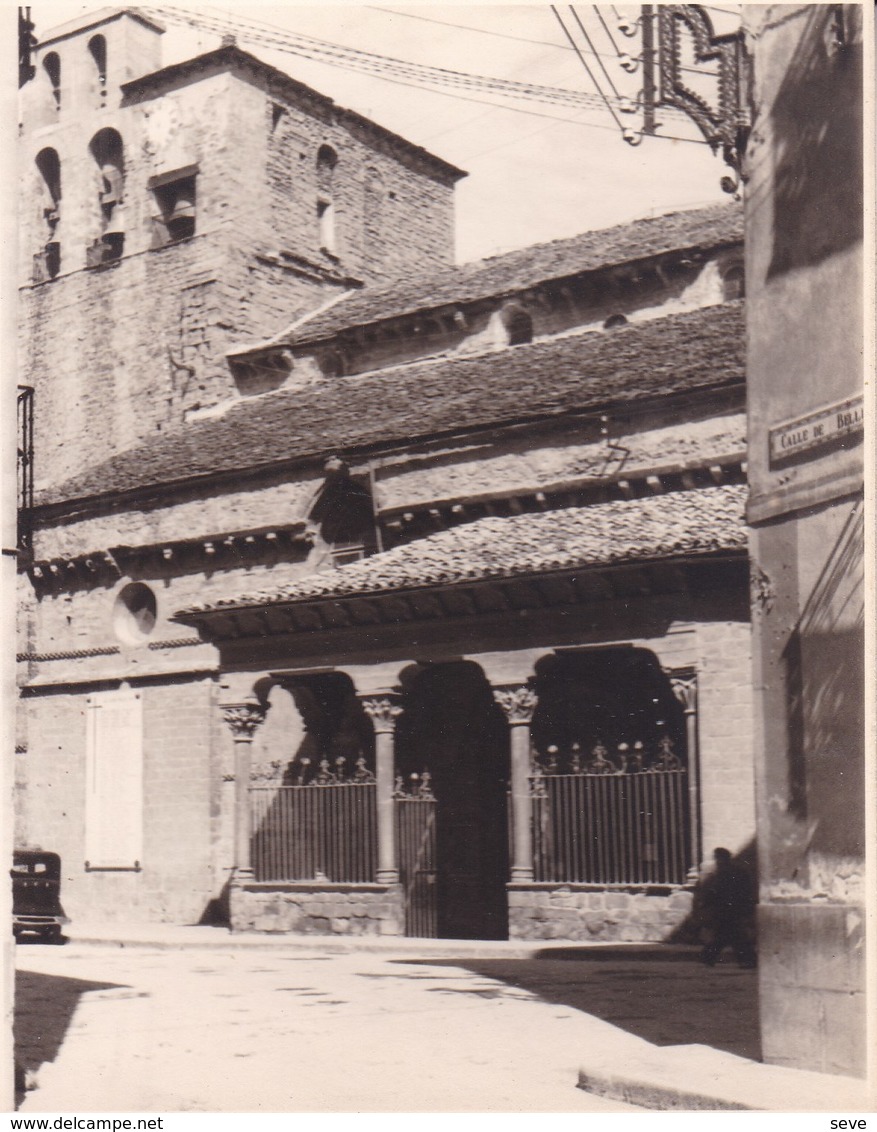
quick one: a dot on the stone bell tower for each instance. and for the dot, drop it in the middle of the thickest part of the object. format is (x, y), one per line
(171, 213)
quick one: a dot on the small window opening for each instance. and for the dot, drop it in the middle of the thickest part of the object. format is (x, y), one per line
(47, 263)
(52, 66)
(614, 321)
(327, 159)
(277, 113)
(518, 325)
(734, 283)
(176, 200)
(97, 45)
(333, 364)
(135, 611)
(344, 512)
(326, 222)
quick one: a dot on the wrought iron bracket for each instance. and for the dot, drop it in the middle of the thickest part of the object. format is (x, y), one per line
(725, 125)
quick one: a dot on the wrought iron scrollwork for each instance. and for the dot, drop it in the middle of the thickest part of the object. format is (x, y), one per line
(629, 758)
(304, 772)
(417, 787)
(725, 125)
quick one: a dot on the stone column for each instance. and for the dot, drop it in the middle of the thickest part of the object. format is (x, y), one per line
(518, 701)
(243, 719)
(383, 710)
(684, 685)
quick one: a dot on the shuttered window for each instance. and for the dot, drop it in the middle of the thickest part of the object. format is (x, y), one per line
(114, 784)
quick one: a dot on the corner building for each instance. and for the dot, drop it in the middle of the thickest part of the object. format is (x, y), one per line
(366, 594)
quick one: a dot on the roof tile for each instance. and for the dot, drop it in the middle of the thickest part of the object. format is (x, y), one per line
(525, 267)
(681, 523)
(577, 372)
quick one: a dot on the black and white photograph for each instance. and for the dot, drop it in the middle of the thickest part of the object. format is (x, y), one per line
(438, 554)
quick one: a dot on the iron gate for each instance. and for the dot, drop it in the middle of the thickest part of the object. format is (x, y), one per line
(415, 807)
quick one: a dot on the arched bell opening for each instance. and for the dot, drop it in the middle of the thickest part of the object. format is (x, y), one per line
(451, 728)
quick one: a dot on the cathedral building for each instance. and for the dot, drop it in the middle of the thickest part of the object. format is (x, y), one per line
(360, 592)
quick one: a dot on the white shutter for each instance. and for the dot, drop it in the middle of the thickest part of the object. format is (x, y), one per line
(114, 782)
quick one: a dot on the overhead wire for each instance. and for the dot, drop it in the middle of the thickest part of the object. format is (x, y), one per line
(269, 34)
(322, 51)
(609, 35)
(590, 44)
(506, 35)
(467, 27)
(584, 63)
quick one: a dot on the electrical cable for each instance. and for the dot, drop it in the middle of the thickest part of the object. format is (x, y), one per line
(516, 38)
(467, 27)
(590, 44)
(587, 68)
(370, 63)
(599, 14)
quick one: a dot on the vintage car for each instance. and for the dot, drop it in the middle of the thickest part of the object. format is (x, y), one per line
(36, 895)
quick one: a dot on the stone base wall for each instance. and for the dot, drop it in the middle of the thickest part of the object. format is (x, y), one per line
(585, 914)
(812, 987)
(318, 909)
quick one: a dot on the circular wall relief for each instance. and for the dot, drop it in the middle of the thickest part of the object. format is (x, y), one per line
(134, 613)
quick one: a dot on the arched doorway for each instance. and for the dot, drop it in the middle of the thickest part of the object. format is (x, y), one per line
(451, 727)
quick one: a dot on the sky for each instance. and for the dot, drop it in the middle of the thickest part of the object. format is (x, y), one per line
(552, 172)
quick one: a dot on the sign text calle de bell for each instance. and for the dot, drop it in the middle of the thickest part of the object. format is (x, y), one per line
(825, 426)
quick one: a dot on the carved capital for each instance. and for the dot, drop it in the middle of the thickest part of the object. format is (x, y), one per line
(684, 685)
(243, 719)
(518, 701)
(382, 711)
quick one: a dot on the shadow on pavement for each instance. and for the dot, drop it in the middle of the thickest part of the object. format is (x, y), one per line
(666, 1003)
(44, 1005)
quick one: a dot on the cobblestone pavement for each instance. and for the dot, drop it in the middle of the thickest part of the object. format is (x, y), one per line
(119, 1029)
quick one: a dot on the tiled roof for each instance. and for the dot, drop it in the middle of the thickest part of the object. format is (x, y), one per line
(667, 526)
(515, 271)
(677, 354)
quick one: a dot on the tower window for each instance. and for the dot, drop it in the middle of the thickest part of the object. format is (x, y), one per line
(518, 324)
(108, 153)
(326, 221)
(47, 263)
(733, 283)
(50, 169)
(97, 45)
(327, 159)
(52, 67)
(175, 198)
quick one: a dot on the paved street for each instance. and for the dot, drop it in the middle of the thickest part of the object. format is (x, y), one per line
(135, 1029)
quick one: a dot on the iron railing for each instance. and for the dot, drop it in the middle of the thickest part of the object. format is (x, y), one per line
(611, 828)
(315, 832)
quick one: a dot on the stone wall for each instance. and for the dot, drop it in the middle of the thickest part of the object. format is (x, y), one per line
(585, 914)
(181, 783)
(318, 909)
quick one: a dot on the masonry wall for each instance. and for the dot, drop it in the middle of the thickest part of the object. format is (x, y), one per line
(178, 879)
(805, 265)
